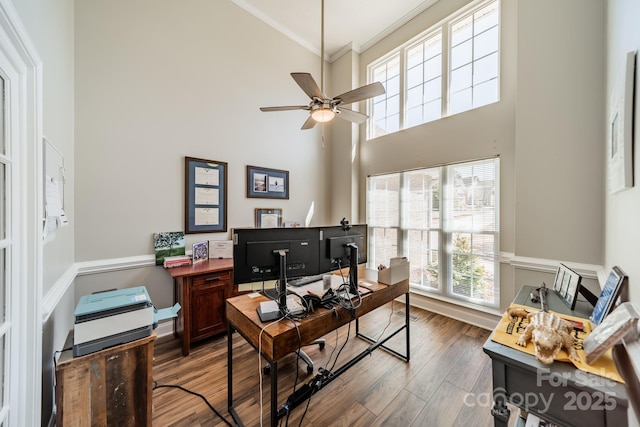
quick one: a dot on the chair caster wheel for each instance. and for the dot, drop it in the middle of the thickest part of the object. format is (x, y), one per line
(321, 345)
(309, 369)
(266, 370)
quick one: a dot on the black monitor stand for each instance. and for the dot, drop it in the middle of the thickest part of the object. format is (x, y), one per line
(279, 293)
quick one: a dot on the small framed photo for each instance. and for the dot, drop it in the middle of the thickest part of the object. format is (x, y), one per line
(268, 218)
(566, 285)
(200, 252)
(609, 295)
(267, 183)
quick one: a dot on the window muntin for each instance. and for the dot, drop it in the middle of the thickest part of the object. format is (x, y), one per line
(474, 60)
(424, 80)
(386, 108)
(445, 221)
(433, 76)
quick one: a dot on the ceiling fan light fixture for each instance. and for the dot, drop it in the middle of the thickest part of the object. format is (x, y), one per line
(322, 115)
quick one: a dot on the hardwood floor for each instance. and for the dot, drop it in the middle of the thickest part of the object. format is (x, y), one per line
(446, 383)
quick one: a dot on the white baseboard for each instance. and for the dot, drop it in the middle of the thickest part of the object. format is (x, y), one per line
(486, 319)
(164, 329)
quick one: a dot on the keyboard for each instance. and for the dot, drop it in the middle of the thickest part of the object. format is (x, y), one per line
(301, 281)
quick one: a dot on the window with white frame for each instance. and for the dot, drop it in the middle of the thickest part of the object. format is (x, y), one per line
(450, 68)
(385, 111)
(445, 220)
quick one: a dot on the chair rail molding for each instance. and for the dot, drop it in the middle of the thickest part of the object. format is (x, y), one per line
(589, 271)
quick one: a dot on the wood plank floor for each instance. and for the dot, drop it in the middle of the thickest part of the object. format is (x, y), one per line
(446, 383)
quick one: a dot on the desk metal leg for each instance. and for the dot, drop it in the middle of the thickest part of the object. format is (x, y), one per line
(274, 394)
(407, 318)
(405, 356)
(230, 408)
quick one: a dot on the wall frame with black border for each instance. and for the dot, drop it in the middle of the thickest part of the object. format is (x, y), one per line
(566, 285)
(267, 183)
(205, 196)
(609, 294)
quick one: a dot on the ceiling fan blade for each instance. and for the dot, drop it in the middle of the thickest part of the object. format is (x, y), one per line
(309, 123)
(285, 108)
(363, 92)
(352, 116)
(308, 85)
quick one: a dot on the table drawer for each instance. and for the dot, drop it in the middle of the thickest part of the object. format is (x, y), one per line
(212, 279)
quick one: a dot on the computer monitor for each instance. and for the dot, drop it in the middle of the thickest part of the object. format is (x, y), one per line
(278, 253)
(334, 252)
(256, 253)
(344, 246)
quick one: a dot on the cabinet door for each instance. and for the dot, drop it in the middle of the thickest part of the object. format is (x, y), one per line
(207, 306)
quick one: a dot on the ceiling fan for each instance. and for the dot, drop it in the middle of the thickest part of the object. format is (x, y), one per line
(322, 108)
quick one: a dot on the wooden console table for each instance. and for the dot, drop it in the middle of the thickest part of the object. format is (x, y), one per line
(109, 387)
(284, 338)
(558, 393)
(201, 289)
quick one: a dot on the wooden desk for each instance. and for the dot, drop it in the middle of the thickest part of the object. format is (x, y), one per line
(201, 289)
(282, 339)
(109, 387)
(559, 393)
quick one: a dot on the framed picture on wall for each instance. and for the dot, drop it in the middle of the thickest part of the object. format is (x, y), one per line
(267, 183)
(620, 129)
(205, 195)
(268, 218)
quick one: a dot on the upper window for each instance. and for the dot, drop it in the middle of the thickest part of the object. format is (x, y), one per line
(452, 67)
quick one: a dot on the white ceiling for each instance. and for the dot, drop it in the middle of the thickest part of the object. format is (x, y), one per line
(355, 24)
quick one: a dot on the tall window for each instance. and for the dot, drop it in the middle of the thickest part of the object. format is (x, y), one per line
(445, 221)
(450, 68)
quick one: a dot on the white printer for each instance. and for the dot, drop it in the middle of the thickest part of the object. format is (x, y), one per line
(110, 318)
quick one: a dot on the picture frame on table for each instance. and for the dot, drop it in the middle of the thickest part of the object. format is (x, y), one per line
(567, 285)
(205, 196)
(200, 252)
(267, 183)
(609, 295)
(268, 217)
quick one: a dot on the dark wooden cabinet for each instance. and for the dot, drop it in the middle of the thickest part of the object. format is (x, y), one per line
(202, 290)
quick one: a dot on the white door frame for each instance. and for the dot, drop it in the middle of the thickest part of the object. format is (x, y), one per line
(24, 383)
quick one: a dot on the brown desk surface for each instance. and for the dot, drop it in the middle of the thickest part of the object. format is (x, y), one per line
(281, 338)
(208, 266)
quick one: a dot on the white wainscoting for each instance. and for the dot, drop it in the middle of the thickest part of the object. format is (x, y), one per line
(481, 317)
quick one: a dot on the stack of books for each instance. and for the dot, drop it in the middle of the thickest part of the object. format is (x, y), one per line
(176, 261)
